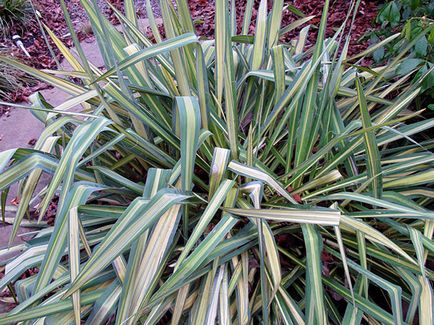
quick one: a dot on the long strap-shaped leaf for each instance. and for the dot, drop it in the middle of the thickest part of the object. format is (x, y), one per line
(259, 48)
(152, 51)
(157, 247)
(377, 202)
(374, 235)
(307, 118)
(267, 249)
(214, 204)
(156, 180)
(83, 136)
(189, 123)
(426, 297)
(373, 154)
(315, 310)
(260, 175)
(193, 262)
(29, 188)
(221, 13)
(50, 309)
(325, 217)
(74, 257)
(33, 161)
(393, 290)
(137, 218)
(65, 85)
(78, 195)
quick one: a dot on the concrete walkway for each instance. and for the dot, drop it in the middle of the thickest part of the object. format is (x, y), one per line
(17, 130)
(20, 127)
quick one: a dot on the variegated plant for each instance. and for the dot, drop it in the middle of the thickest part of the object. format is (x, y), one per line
(233, 181)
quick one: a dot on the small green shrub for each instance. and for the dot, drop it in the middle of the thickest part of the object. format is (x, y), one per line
(14, 13)
(237, 180)
(409, 18)
(396, 12)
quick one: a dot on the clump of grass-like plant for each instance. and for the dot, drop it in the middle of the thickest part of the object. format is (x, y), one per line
(12, 81)
(8, 81)
(236, 180)
(14, 13)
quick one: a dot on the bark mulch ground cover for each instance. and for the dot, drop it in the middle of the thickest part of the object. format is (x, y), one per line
(35, 44)
(202, 12)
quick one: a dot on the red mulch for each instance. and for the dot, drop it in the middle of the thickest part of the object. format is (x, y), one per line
(119, 5)
(203, 12)
(35, 44)
(32, 37)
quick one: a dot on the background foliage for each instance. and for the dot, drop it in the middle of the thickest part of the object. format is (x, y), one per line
(409, 17)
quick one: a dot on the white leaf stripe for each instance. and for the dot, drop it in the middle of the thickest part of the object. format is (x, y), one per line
(320, 217)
